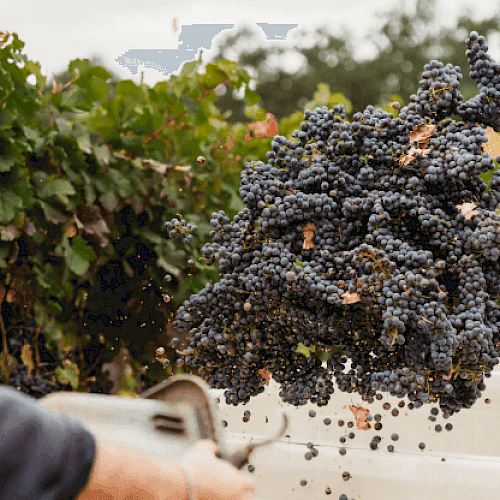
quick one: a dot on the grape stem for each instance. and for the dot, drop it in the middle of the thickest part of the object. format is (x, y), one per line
(4, 333)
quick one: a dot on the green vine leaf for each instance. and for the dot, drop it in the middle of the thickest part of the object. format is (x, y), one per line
(58, 188)
(78, 255)
(27, 358)
(68, 374)
(10, 204)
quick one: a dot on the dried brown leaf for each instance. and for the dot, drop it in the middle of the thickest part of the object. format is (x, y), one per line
(4, 36)
(467, 210)
(360, 415)
(29, 227)
(265, 374)
(78, 222)
(492, 147)
(265, 128)
(100, 229)
(417, 151)
(411, 155)
(308, 235)
(10, 233)
(89, 218)
(406, 159)
(422, 133)
(157, 166)
(351, 298)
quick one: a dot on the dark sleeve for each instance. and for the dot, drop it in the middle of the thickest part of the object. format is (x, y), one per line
(43, 455)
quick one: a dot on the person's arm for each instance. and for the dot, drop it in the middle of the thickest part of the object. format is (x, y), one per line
(42, 454)
(122, 474)
(54, 457)
(119, 474)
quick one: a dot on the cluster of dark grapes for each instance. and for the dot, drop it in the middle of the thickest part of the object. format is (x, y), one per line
(21, 334)
(179, 229)
(483, 108)
(375, 239)
(33, 370)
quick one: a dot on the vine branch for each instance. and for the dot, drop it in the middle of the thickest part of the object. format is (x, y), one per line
(4, 332)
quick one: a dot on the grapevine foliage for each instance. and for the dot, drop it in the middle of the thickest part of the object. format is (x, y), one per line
(88, 176)
(376, 235)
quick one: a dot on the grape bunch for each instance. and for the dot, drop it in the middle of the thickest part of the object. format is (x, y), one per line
(179, 229)
(23, 343)
(375, 239)
(484, 107)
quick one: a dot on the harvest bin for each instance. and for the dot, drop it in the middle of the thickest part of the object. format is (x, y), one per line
(463, 463)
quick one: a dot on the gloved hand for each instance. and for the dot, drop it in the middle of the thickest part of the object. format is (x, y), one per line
(212, 478)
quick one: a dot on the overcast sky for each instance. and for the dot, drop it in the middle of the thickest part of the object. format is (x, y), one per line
(57, 31)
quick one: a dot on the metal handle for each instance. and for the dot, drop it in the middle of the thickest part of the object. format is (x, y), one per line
(240, 457)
